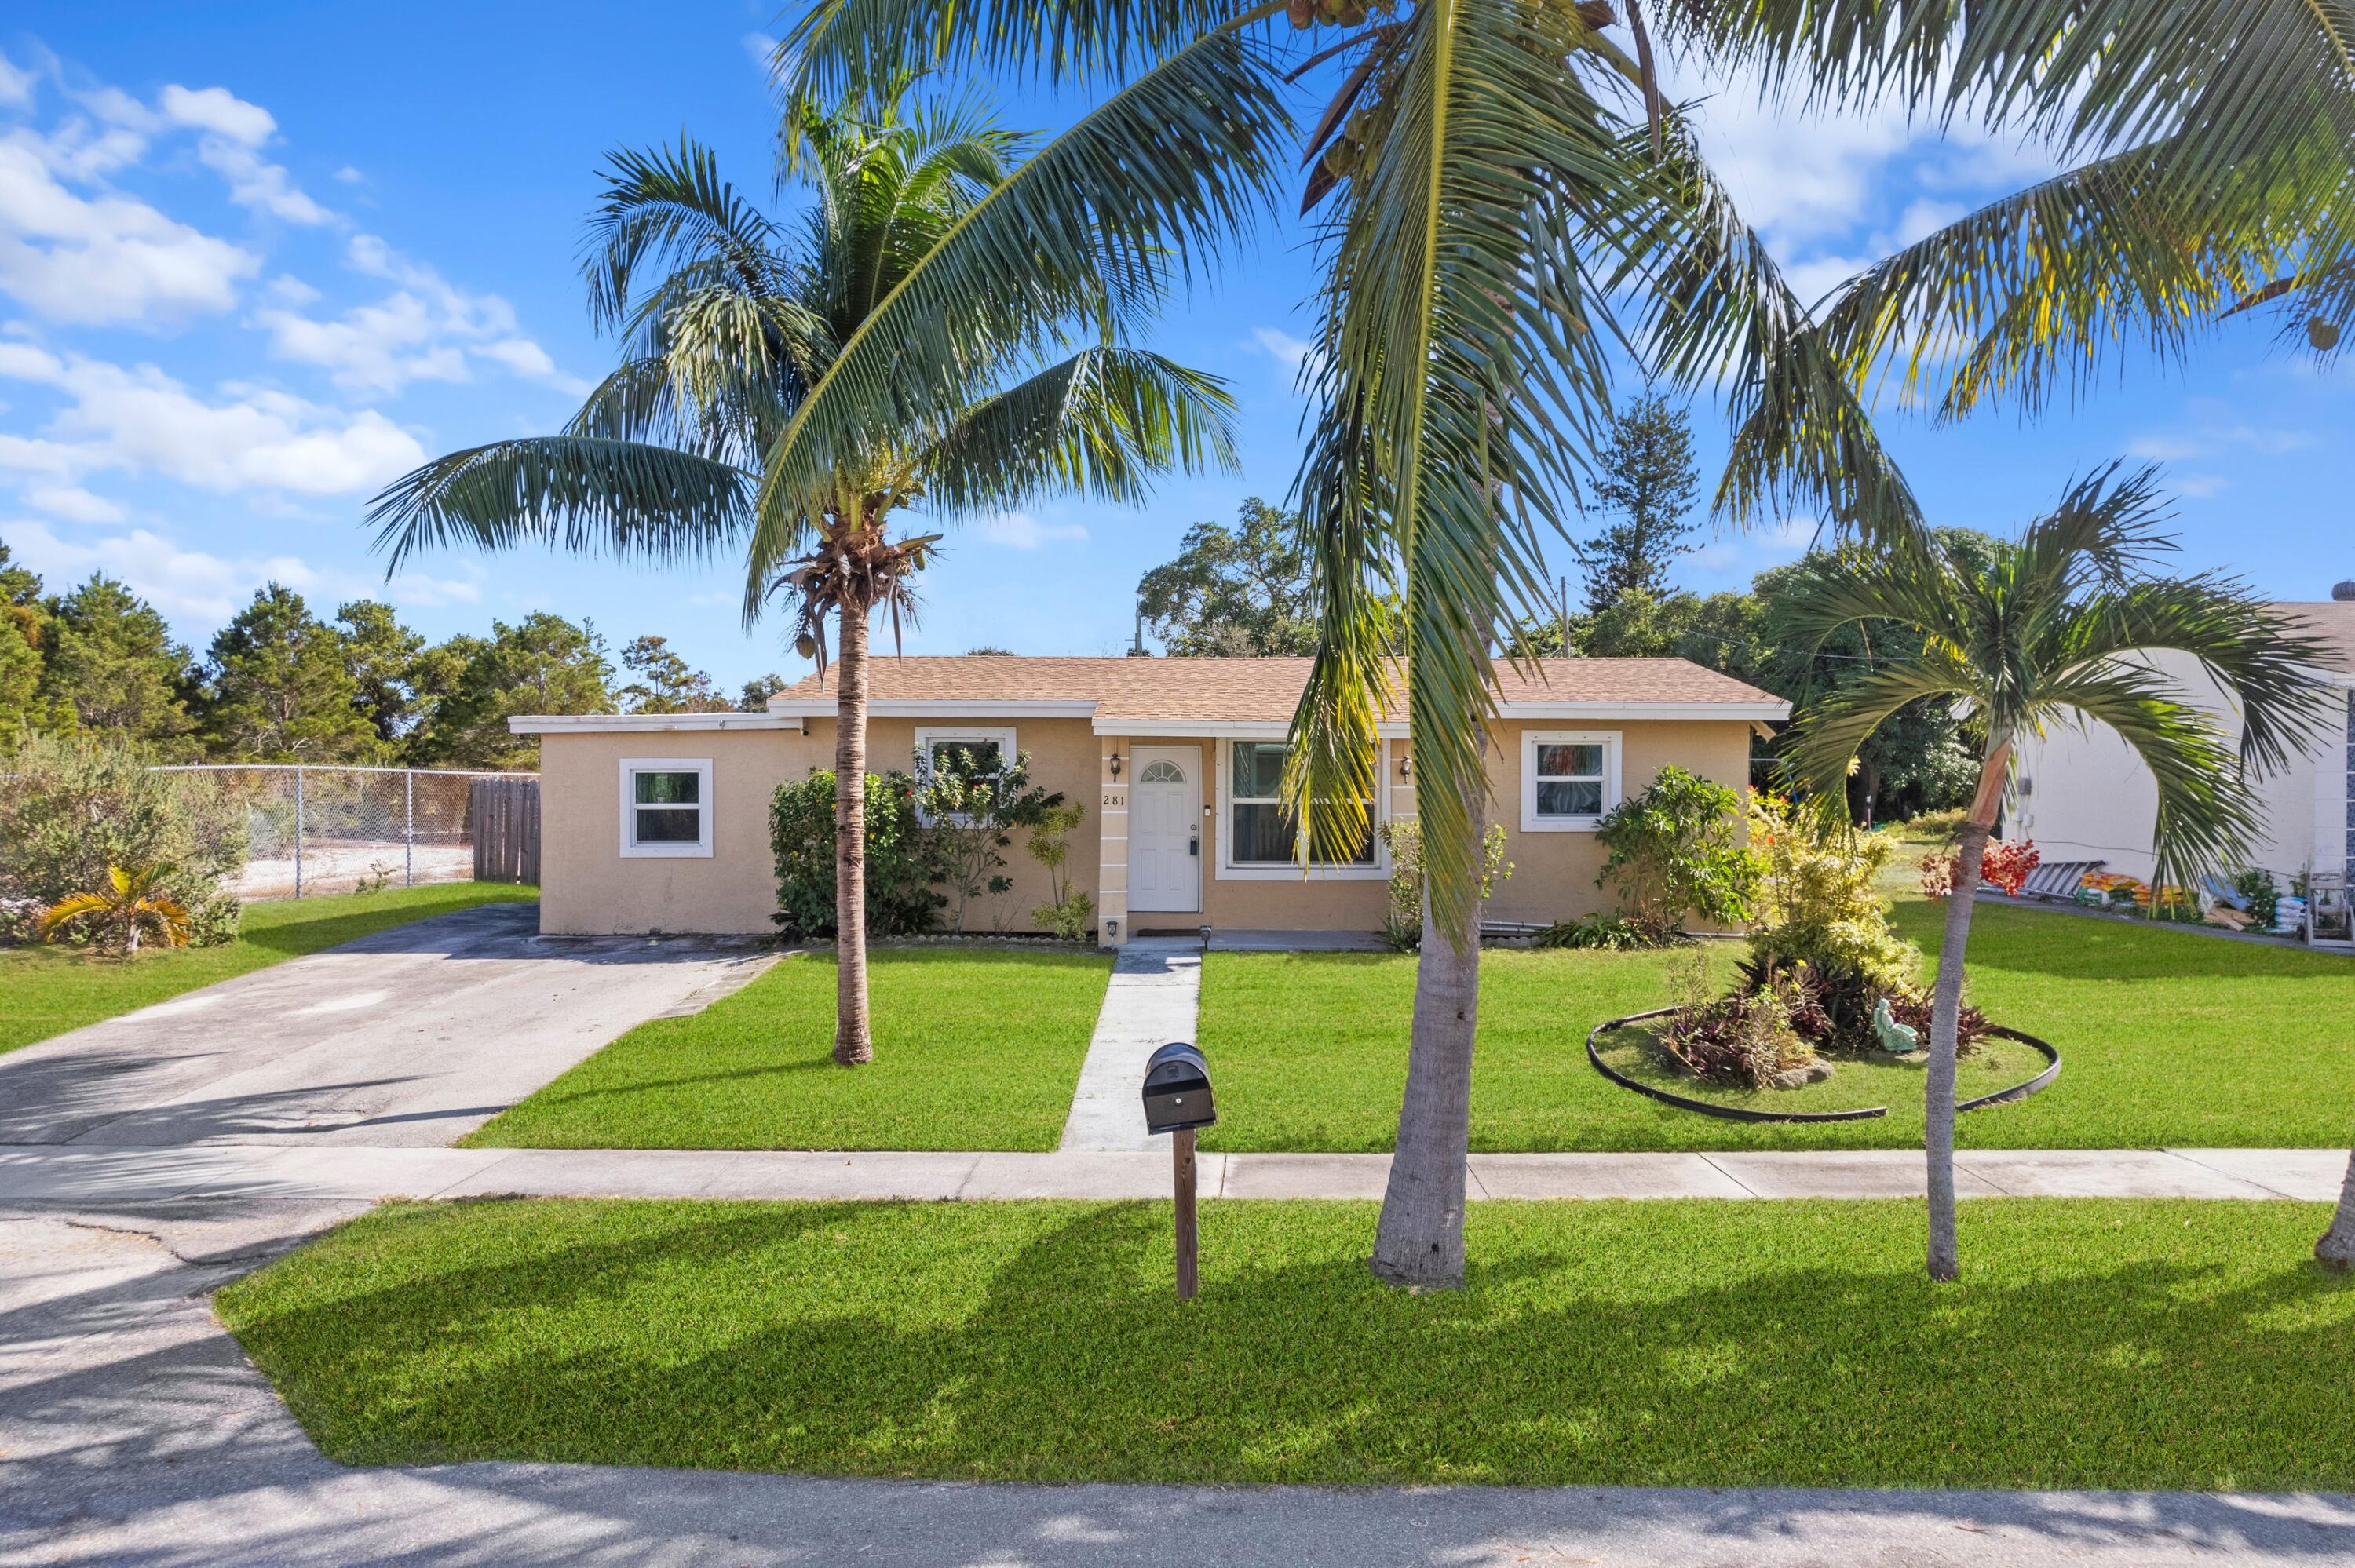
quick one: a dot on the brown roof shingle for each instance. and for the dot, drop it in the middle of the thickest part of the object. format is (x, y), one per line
(1246, 691)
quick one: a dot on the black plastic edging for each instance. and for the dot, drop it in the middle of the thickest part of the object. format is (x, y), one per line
(1736, 1113)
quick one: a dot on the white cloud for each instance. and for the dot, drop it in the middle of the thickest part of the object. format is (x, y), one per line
(219, 110)
(142, 422)
(108, 258)
(288, 289)
(762, 48)
(1755, 549)
(2199, 486)
(375, 348)
(2163, 448)
(73, 503)
(1292, 353)
(255, 182)
(350, 175)
(424, 330)
(1020, 531)
(15, 84)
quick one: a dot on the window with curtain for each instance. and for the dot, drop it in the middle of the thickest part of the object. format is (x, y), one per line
(1261, 832)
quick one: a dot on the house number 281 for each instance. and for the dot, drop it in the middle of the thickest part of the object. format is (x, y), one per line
(1115, 797)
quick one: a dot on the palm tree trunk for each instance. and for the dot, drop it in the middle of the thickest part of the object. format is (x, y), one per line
(853, 1043)
(2337, 1248)
(1420, 1240)
(1946, 1013)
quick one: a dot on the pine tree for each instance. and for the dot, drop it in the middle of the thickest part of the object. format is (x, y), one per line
(112, 665)
(278, 689)
(1647, 476)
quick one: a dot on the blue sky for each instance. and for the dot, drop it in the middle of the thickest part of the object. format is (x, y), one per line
(256, 260)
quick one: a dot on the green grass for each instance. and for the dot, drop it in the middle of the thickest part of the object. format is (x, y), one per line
(973, 1049)
(52, 989)
(2125, 1344)
(2168, 1038)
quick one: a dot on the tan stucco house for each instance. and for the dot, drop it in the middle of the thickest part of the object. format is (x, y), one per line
(659, 823)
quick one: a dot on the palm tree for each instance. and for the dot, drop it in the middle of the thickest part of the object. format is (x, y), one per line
(130, 905)
(2056, 629)
(1485, 184)
(2337, 1248)
(732, 320)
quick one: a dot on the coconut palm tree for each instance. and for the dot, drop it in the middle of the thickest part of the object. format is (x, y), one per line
(130, 905)
(731, 319)
(2057, 630)
(1487, 177)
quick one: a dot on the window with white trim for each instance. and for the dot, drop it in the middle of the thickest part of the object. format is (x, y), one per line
(1570, 779)
(665, 807)
(1261, 832)
(937, 747)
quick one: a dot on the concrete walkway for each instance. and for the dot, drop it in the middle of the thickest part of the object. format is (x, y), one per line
(1155, 992)
(97, 1180)
(133, 1432)
(414, 1037)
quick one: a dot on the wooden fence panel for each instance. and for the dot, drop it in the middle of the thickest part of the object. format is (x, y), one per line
(505, 814)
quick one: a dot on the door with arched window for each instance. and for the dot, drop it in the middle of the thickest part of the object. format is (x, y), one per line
(1164, 831)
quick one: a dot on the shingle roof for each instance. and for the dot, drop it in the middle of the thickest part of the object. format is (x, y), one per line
(2331, 622)
(1244, 691)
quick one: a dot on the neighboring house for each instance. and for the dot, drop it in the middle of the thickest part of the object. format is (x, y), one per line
(2084, 795)
(661, 821)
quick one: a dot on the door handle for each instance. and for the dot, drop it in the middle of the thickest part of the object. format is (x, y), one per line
(1194, 845)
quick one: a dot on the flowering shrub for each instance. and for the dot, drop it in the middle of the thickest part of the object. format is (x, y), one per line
(1819, 900)
(2005, 867)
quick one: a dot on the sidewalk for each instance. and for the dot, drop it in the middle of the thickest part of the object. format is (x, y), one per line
(112, 1179)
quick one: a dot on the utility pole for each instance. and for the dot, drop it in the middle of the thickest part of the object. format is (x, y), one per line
(1136, 649)
(1561, 604)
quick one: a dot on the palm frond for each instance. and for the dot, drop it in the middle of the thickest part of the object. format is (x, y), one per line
(585, 495)
(1717, 313)
(841, 43)
(666, 206)
(1820, 746)
(1099, 424)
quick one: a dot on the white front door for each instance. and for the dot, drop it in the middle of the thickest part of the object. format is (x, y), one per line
(1165, 830)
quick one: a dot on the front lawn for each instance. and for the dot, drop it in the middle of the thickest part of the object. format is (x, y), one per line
(2091, 1344)
(973, 1049)
(2168, 1039)
(52, 988)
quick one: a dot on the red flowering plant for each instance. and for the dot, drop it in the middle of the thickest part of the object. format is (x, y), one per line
(2004, 867)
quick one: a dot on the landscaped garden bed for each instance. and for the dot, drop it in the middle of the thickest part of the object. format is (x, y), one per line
(53, 988)
(2091, 1344)
(975, 1047)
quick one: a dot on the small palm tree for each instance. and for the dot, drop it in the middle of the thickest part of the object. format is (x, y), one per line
(2054, 630)
(733, 322)
(131, 905)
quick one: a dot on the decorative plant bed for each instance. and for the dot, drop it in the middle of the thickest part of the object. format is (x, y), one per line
(1733, 1104)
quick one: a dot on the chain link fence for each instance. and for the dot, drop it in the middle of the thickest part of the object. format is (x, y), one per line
(313, 831)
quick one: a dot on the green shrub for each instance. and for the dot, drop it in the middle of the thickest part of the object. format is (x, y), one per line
(1676, 851)
(1610, 933)
(2256, 884)
(1069, 913)
(903, 860)
(1820, 915)
(73, 806)
(974, 799)
(1403, 923)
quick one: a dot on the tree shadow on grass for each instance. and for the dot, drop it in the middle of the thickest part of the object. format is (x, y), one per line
(1040, 1342)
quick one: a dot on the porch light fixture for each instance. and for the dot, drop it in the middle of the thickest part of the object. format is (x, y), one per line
(1406, 767)
(1116, 767)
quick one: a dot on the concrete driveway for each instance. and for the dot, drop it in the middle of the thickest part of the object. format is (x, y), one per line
(414, 1037)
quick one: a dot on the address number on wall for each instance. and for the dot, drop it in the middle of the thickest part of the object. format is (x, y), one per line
(1115, 797)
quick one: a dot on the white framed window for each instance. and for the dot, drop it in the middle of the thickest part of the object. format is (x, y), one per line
(1261, 838)
(937, 744)
(666, 807)
(1570, 778)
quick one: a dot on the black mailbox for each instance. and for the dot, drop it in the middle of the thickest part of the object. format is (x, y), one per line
(1178, 1090)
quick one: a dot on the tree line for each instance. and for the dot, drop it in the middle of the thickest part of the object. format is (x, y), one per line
(279, 682)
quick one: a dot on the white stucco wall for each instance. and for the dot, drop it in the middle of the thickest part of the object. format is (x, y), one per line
(2084, 795)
